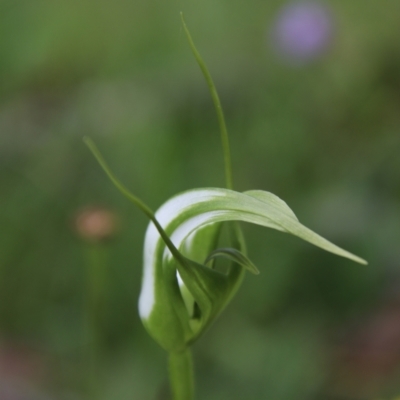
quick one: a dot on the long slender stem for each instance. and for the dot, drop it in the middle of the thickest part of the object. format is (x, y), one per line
(134, 199)
(218, 108)
(181, 375)
(96, 270)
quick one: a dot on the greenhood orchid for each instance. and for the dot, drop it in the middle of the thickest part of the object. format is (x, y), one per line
(182, 291)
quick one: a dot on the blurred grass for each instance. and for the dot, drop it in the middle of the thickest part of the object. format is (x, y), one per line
(325, 137)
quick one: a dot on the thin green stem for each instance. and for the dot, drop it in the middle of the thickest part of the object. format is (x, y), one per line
(218, 108)
(181, 375)
(134, 199)
(96, 281)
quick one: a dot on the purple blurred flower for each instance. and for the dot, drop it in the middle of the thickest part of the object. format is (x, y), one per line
(303, 31)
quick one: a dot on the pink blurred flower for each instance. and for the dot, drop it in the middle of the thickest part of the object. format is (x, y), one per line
(96, 224)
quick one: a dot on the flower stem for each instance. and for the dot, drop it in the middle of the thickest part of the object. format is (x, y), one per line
(217, 105)
(181, 375)
(96, 280)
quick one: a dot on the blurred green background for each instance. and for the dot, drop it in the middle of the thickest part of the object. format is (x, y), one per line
(323, 135)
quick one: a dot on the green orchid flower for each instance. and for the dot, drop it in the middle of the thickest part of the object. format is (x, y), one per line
(182, 293)
(182, 290)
